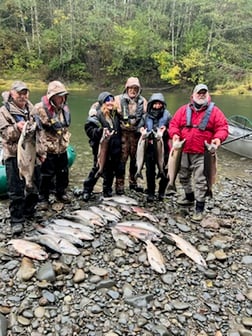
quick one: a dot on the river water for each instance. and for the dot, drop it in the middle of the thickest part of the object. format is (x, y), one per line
(230, 165)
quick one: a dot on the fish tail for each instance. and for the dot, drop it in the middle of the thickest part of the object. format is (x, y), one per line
(139, 175)
(171, 187)
(209, 193)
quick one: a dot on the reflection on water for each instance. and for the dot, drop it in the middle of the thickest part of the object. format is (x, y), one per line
(230, 165)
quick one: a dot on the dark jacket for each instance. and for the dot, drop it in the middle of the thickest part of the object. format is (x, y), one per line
(94, 128)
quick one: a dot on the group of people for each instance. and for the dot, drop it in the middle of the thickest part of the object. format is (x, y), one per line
(120, 121)
(129, 116)
(52, 118)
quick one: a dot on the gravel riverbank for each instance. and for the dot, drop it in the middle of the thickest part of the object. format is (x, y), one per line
(110, 289)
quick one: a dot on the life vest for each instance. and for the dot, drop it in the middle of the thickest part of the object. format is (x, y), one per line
(54, 123)
(18, 117)
(151, 122)
(203, 124)
(125, 109)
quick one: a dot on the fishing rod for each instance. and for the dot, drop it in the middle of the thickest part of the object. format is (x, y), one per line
(240, 137)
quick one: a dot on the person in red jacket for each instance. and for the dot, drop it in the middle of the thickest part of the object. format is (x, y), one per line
(197, 122)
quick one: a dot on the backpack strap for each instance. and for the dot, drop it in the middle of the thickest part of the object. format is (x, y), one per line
(203, 124)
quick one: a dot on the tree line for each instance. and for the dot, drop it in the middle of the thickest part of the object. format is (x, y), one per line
(163, 42)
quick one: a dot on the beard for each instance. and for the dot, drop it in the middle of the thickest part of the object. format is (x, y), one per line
(200, 101)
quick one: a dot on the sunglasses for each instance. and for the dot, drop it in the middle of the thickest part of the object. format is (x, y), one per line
(109, 99)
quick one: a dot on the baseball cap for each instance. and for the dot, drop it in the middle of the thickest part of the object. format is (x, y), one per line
(19, 86)
(200, 87)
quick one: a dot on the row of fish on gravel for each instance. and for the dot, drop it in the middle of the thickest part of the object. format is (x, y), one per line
(66, 235)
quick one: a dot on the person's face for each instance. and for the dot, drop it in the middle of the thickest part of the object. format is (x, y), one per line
(157, 105)
(20, 98)
(59, 100)
(133, 91)
(109, 102)
(201, 97)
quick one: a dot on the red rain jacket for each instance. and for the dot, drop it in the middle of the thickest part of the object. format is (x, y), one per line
(217, 127)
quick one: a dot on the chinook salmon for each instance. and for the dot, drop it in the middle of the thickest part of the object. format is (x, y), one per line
(26, 153)
(103, 151)
(29, 249)
(210, 167)
(173, 164)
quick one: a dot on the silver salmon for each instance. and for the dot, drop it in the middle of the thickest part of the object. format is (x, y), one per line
(26, 153)
(102, 152)
(159, 150)
(210, 167)
(140, 154)
(155, 257)
(173, 164)
(29, 249)
(188, 249)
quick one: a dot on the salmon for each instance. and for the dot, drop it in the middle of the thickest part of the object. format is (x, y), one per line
(144, 213)
(141, 225)
(140, 154)
(107, 216)
(67, 223)
(111, 209)
(188, 249)
(120, 236)
(72, 238)
(159, 149)
(123, 200)
(155, 257)
(74, 232)
(139, 233)
(103, 151)
(88, 217)
(26, 153)
(210, 167)
(29, 249)
(56, 243)
(173, 164)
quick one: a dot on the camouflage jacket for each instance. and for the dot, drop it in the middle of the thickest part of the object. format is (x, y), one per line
(53, 130)
(10, 115)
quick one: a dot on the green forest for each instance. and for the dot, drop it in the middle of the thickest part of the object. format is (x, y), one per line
(166, 43)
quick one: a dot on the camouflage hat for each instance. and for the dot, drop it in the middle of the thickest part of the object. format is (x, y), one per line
(56, 88)
(19, 86)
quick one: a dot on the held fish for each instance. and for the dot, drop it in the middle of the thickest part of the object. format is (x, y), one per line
(210, 167)
(173, 164)
(29, 249)
(103, 151)
(155, 258)
(26, 153)
(159, 150)
(188, 249)
(140, 154)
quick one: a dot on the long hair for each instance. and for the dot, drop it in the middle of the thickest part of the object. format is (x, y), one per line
(106, 112)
